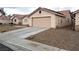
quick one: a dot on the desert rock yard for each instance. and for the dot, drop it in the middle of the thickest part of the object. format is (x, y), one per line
(64, 38)
(6, 28)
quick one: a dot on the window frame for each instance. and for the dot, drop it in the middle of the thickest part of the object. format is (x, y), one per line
(15, 20)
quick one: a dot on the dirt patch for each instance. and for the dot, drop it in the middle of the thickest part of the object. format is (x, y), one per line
(33, 44)
(64, 38)
(5, 28)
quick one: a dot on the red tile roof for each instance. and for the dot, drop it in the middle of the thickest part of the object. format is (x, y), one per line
(65, 12)
(20, 17)
(4, 17)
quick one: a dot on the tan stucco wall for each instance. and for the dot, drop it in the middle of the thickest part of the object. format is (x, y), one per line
(77, 21)
(17, 21)
(70, 20)
(53, 21)
(61, 21)
(43, 14)
(5, 21)
(30, 22)
(25, 21)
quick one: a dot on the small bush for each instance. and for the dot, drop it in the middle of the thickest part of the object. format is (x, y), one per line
(3, 30)
(0, 23)
(27, 25)
(11, 23)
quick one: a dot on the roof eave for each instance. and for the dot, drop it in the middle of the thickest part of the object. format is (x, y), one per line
(44, 9)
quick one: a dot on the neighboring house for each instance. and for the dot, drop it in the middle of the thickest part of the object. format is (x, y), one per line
(18, 19)
(68, 15)
(25, 20)
(76, 19)
(5, 19)
(43, 17)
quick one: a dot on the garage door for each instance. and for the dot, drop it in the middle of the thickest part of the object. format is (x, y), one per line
(42, 22)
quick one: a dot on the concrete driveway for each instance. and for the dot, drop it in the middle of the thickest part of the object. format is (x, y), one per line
(8, 38)
(20, 33)
(16, 40)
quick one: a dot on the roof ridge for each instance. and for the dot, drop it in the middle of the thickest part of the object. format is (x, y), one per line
(48, 10)
(53, 10)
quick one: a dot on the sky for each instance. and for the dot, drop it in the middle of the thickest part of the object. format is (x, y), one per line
(18, 10)
(36, 3)
(28, 10)
(27, 6)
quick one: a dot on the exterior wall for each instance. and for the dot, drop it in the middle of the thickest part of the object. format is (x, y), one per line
(77, 21)
(5, 21)
(1, 14)
(68, 16)
(69, 20)
(17, 21)
(44, 14)
(30, 21)
(61, 21)
(53, 21)
(25, 21)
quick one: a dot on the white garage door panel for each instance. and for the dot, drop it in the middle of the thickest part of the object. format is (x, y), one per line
(42, 22)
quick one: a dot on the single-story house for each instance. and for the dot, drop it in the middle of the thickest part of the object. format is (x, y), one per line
(43, 17)
(5, 19)
(19, 19)
(76, 19)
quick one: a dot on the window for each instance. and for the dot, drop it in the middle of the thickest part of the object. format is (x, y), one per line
(25, 20)
(15, 20)
(68, 19)
(61, 21)
(40, 12)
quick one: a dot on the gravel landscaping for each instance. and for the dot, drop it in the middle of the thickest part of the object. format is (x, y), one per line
(64, 38)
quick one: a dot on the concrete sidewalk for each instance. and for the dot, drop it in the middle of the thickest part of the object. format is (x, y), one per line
(27, 45)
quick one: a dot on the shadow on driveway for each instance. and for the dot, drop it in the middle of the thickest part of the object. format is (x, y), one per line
(4, 48)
